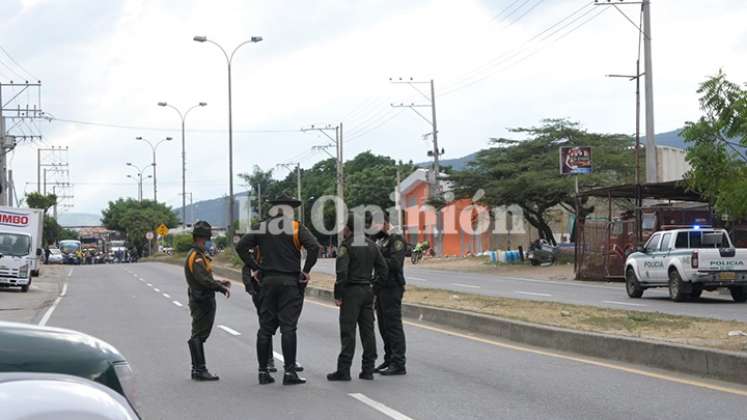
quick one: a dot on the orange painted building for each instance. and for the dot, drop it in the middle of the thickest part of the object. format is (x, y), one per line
(457, 229)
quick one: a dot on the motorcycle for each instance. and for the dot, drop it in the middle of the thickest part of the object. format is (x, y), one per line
(416, 256)
(542, 252)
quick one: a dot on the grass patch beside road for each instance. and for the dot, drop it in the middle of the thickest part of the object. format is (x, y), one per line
(694, 331)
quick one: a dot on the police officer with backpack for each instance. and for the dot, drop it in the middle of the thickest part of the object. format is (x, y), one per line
(282, 282)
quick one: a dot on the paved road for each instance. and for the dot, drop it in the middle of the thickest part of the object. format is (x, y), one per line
(140, 309)
(610, 295)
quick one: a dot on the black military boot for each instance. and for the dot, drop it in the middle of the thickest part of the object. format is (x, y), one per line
(265, 378)
(271, 365)
(292, 378)
(366, 375)
(382, 367)
(394, 370)
(339, 375)
(199, 371)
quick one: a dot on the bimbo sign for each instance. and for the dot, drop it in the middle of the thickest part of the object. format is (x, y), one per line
(14, 219)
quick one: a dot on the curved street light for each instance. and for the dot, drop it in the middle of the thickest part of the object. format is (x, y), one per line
(139, 178)
(229, 59)
(183, 118)
(153, 147)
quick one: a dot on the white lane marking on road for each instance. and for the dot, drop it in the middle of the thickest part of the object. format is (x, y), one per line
(176, 302)
(149, 285)
(70, 273)
(389, 412)
(167, 296)
(416, 278)
(48, 314)
(612, 302)
(471, 286)
(519, 292)
(278, 356)
(157, 290)
(229, 330)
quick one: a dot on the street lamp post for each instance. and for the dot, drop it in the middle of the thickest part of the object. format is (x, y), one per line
(183, 117)
(153, 147)
(139, 178)
(229, 59)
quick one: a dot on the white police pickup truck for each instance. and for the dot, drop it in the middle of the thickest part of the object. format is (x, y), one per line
(688, 261)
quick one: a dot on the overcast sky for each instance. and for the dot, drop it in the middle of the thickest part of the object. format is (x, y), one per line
(329, 61)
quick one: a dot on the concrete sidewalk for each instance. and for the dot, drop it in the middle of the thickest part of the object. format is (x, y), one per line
(29, 307)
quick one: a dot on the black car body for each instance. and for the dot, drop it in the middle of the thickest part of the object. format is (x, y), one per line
(30, 348)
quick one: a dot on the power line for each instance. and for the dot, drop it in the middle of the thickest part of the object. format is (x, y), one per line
(501, 57)
(500, 14)
(17, 63)
(12, 71)
(374, 128)
(499, 63)
(141, 128)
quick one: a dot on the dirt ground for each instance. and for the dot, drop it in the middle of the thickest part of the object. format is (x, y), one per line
(656, 326)
(483, 265)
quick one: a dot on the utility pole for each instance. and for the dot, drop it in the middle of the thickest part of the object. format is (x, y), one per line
(645, 31)
(17, 114)
(335, 142)
(297, 167)
(436, 152)
(638, 200)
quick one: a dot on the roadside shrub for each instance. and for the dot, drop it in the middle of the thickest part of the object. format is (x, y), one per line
(182, 242)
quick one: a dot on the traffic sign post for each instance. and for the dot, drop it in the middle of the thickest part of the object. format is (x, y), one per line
(149, 236)
(162, 230)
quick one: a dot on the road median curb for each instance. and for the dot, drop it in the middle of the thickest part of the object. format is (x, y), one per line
(709, 363)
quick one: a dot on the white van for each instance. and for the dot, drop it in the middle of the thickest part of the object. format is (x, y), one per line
(21, 236)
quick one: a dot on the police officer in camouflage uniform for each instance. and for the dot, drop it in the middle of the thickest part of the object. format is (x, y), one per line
(281, 280)
(202, 287)
(389, 300)
(360, 267)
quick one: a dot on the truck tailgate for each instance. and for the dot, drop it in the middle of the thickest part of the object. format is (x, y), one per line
(714, 260)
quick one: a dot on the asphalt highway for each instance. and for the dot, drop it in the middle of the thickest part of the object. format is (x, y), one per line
(609, 295)
(141, 309)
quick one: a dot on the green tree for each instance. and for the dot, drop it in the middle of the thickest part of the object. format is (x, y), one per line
(53, 232)
(37, 200)
(369, 180)
(526, 173)
(716, 144)
(182, 242)
(135, 218)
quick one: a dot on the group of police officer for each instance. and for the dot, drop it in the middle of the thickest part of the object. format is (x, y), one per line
(369, 280)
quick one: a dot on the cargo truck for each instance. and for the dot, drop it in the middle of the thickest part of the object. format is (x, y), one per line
(21, 236)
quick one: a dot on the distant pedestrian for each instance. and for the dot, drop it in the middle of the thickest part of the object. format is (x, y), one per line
(198, 269)
(389, 300)
(360, 267)
(282, 282)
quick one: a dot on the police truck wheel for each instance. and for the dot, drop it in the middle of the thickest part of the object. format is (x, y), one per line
(632, 285)
(696, 292)
(25, 287)
(678, 290)
(739, 293)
